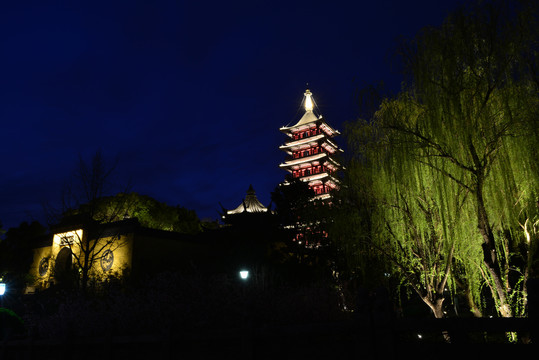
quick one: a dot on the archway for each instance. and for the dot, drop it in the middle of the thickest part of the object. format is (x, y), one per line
(63, 273)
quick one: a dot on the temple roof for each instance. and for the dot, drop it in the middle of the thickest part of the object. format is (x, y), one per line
(250, 204)
(309, 115)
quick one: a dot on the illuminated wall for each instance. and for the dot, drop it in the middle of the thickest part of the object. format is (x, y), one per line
(128, 246)
(113, 259)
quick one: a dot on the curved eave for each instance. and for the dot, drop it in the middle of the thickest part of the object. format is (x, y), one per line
(303, 160)
(308, 118)
(320, 139)
(299, 127)
(314, 177)
(250, 207)
(298, 162)
(328, 130)
(332, 144)
(322, 196)
(322, 176)
(334, 162)
(331, 129)
(302, 141)
(241, 210)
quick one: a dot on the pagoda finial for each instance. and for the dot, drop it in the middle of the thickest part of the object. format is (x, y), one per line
(308, 101)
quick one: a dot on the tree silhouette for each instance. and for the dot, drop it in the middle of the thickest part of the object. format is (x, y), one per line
(81, 209)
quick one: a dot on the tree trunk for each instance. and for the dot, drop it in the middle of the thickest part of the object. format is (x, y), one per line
(436, 307)
(437, 310)
(85, 269)
(490, 257)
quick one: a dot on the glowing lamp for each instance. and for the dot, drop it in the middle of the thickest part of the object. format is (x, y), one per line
(244, 274)
(2, 289)
(308, 101)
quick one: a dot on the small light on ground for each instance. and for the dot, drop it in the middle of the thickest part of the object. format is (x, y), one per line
(244, 274)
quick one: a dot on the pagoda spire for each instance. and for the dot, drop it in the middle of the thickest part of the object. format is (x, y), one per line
(308, 100)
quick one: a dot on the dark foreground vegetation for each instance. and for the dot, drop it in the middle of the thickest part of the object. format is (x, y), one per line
(171, 316)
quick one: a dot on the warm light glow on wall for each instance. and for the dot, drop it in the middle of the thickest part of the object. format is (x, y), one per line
(67, 238)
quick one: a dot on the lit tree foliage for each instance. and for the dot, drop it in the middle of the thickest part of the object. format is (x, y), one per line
(149, 212)
(409, 220)
(457, 179)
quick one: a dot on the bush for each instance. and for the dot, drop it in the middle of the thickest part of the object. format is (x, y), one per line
(10, 324)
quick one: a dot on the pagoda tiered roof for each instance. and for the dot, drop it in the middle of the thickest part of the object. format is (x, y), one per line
(310, 121)
(311, 151)
(305, 159)
(250, 204)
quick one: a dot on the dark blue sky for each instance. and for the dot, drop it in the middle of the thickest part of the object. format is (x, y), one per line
(189, 95)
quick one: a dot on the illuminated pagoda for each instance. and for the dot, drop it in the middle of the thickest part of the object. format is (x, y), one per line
(311, 151)
(250, 206)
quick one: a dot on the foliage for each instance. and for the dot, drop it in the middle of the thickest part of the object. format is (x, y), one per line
(149, 212)
(451, 157)
(350, 229)
(10, 324)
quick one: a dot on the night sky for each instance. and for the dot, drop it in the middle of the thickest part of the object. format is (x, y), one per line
(188, 95)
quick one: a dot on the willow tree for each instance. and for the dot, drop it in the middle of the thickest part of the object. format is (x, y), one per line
(464, 131)
(412, 222)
